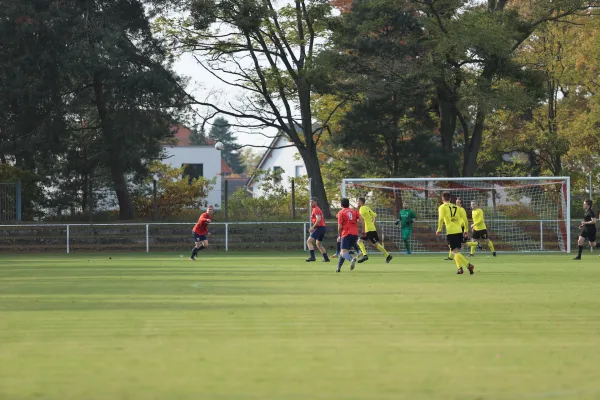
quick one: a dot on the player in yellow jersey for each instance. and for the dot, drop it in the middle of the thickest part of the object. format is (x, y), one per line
(479, 230)
(449, 216)
(369, 232)
(464, 222)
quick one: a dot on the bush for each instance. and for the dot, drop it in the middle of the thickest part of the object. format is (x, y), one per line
(274, 205)
(176, 193)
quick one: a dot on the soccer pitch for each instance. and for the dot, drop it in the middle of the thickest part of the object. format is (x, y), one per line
(270, 326)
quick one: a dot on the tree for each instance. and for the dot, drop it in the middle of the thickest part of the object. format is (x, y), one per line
(98, 98)
(557, 130)
(33, 119)
(267, 53)
(471, 57)
(250, 160)
(134, 93)
(378, 53)
(198, 136)
(221, 132)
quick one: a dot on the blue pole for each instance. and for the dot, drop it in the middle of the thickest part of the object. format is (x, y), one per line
(19, 205)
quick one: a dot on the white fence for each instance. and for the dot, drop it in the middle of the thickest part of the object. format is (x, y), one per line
(508, 235)
(147, 237)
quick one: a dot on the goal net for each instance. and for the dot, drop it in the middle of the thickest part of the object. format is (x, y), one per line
(521, 214)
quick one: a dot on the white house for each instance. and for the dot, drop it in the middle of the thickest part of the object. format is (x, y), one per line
(199, 161)
(287, 160)
(205, 161)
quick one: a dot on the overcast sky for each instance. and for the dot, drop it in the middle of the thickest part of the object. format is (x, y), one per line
(202, 83)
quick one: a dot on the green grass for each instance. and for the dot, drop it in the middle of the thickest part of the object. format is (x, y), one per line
(272, 327)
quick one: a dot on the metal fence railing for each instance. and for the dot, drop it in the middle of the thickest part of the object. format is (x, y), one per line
(508, 235)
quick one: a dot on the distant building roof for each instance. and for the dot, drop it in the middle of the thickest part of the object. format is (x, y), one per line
(182, 134)
(225, 169)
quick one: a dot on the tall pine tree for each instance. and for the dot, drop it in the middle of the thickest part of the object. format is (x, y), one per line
(198, 136)
(221, 132)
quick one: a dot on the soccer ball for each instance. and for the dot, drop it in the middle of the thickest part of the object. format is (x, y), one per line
(219, 146)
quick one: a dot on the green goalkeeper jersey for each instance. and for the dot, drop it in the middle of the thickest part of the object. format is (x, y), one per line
(406, 217)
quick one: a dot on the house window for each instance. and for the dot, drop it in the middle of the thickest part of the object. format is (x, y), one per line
(299, 170)
(193, 171)
(277, 171)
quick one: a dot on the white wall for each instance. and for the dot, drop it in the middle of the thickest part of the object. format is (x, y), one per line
(206, 155)
(288, 159)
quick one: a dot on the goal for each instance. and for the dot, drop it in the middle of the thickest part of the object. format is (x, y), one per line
(522, 214)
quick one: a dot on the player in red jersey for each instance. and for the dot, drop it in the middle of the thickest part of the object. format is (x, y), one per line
(201, 233)
(348, 219)
(317, 231)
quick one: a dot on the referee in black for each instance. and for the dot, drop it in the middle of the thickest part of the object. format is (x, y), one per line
(588, 228)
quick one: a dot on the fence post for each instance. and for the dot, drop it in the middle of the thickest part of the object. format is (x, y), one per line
(304, 229)
(147, 238)
(19, 204)
(293, 200)
(226, 200)
(542, 235)
(226, 236)
(568, 222)
(155, 200)
(68, 239)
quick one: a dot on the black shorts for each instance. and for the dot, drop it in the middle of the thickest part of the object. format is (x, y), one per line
(373, 236)
(590, 235)
(454, 240)
(200, 238)
(482, 234)
(349, 242)
(319, 233)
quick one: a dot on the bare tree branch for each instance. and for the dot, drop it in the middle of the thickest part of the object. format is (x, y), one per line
(281, 32)
(264, 85)
(210, 71)
(311, 30)
(300, 34)
(260, 147)
(292, 129)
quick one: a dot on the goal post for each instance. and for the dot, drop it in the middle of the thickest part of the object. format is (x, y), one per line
(522, 214)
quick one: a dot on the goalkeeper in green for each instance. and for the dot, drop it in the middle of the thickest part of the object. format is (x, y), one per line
(406, 217)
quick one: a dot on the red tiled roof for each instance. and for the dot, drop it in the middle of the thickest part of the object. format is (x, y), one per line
(225, 169)
(182, 134)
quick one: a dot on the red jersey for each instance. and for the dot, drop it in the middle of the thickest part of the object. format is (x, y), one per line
(201, 228)
(313, 218)
(348, 218)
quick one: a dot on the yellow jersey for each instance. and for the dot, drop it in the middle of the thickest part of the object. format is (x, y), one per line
(478, 223)
(462, 213)
(450, 216)
(368, 216)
